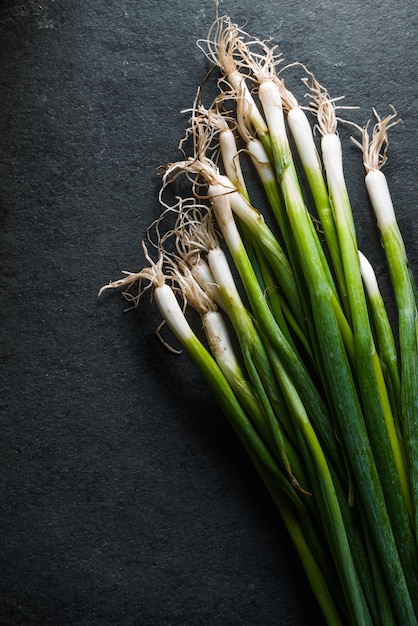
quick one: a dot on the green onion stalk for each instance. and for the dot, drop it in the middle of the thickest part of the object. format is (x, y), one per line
(346, 402)
(297, 343)
(373, 393)
(288, 502)
(374, 157)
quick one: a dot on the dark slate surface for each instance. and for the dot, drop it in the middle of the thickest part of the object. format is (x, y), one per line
(126, 499)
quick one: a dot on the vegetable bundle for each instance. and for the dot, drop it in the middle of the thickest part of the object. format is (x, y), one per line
(320, 385)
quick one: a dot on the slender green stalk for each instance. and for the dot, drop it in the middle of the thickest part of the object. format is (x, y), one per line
(172, 314)
(384, 334)
(320, 391)
(231, 162)
(329, 508)
(281, 311)
(254, 400)
(377, 411)
(257, 365)
(320, 576)
(174, 317)
(364, 345)
(374, 157)
(320, 585)
(274, 253)
(265, 170)
(348, 408)
(407, 319)
(313, 401)
(302, 134)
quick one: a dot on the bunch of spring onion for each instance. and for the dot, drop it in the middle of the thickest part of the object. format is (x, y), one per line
(318, 382)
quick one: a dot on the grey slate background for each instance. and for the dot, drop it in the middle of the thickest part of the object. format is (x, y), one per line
(126, 499)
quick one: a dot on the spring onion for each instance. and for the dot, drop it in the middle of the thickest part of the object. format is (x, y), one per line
(319, 383)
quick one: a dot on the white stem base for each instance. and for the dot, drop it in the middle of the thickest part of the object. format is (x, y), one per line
(219, 341)
(171, 312)
(302, 135)
(333, 163)
(271, 101)
(368, 275)
(220, 196)
(380, 198)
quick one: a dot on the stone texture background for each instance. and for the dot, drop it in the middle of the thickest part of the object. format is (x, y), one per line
(126, 499)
